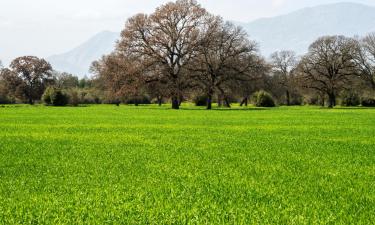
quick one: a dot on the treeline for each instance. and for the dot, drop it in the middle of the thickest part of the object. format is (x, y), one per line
(30, 79)
(181, 53)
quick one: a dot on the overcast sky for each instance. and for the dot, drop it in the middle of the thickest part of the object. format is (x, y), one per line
(47, 27)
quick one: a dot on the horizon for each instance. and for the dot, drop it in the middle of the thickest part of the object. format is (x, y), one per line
(68, 28)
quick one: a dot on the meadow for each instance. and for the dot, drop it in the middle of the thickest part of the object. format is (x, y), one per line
(150, 165)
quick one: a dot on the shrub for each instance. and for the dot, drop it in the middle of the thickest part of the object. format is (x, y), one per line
(296, 99)
(200, 100)
(88, 98)
(74, 98)
(350, 98)
(46, 97)
(59, 98)
(6, 100)
(263, 99)
(368, 102)
(141, 100)
(55, 97)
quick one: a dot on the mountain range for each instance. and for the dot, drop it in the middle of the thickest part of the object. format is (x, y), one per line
(294, 31)
(78, 60)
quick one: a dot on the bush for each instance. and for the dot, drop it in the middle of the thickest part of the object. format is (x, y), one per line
(142, 100)
(350, 98)
(74, 98)
(59, 98)
(368, 102)
(200, 100)
(296, 99)
(6, 100)
(46, 97)
(263, 99)
(55, 97)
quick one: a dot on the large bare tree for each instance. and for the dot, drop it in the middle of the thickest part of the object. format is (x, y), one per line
(35, 73)
(224, 55)
(365, 59)
(329, 65)
(284, 64)
(167, 40)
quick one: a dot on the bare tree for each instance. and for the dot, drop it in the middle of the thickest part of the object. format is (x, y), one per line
(365, 59)
(35, 73)
(283, 64)
(329, 65)
(121, 76)
(224, 55)
(66, 81)
(166, 39)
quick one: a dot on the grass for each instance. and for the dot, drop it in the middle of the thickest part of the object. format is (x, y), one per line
(150, 165)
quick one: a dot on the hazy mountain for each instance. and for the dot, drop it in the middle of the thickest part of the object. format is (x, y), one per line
(297, 30)
(293, 31)
(78, 60)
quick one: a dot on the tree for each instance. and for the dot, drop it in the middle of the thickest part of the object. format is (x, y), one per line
(10, 84)
(283, 65)
(66, 81)
(365, 59)
(121, 76)
(166, 40)
(329, 65)
(223, 56)
(9, 81)
(35, 74)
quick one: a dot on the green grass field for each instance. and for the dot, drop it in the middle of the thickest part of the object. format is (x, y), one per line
(150, 165)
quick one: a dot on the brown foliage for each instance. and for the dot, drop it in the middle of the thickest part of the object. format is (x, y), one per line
(165, 41)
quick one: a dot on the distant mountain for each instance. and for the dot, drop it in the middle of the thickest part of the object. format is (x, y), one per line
(294, 31)
(78, 60)
(297, 30)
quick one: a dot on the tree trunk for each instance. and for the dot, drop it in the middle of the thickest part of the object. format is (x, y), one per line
(30, 94)
(175, 102)
(331, 100)
(287, 98)
(245, 102)
(180, 100)
(31, 102)
(227, 103)
(321, 99)
(209, 101)
(219, 100)
(160, 100)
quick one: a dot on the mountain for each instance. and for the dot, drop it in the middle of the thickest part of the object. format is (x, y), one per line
(78, 60)
(297, 30)
(294, 31)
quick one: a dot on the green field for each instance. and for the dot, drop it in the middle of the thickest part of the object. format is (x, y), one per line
(150, 165)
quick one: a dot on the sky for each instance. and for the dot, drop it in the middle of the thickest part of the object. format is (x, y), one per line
(47, 27)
